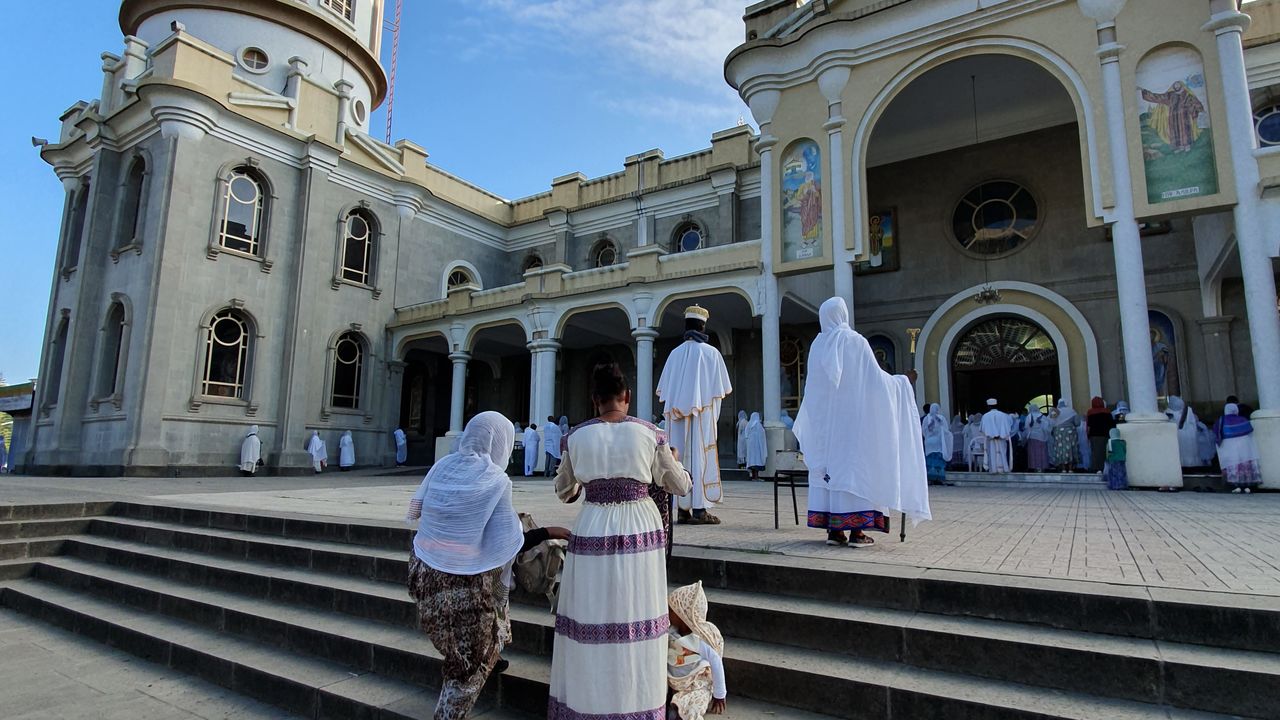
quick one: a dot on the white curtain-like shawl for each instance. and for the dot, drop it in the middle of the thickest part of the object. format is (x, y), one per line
(859, 425)
(757, 442)
(937, 434)
(468, 525)
(552, 439)
(693, 379)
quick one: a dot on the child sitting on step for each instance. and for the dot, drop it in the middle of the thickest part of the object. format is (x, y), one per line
(695, 670)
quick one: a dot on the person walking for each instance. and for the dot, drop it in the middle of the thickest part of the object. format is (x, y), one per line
(757, 443)
(1098, 424)
(468, 535)
(741, 428)
(318, 451)
(250, 452)
(937, 445)
(551, 438)
(610, 651)
(402, 446)
(531, 441)
(346, 452)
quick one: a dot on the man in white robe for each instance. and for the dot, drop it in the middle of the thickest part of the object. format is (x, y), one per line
(319, 453)
(859, 432)
(998, 429)
(693, 384)
(250, 452)
(1184, 418)
(530, 449)
(552, 437)
(346, 452)
(402, 446)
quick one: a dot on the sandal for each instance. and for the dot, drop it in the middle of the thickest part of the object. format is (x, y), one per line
(860, 540)
(684, 516)
(837, 539)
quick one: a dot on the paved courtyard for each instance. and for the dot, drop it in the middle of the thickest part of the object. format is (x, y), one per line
(1209, 541)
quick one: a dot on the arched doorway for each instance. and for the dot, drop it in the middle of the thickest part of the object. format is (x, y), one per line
(1006, 357)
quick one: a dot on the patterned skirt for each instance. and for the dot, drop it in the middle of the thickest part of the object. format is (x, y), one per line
(1239, 460)
(836, 511)
(1116, 475)
(1065, 448)
(465, 617)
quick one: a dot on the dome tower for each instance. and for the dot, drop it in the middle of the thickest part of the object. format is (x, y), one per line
(338, 39)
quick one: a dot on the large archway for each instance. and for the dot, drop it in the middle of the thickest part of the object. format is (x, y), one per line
(1007, 357)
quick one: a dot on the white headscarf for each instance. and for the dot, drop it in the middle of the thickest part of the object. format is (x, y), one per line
(468, 525)
(551, 438)
(858, 425)
(756, 441)
(1066, 414)
(937, 434)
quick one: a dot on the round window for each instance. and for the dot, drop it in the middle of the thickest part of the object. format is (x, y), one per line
(227, 330)
(690, 239)
(254, 59)
(1267, 121)
(360, 111)
(995, 218)
(357, 227)
(244, 189)
(348, 351)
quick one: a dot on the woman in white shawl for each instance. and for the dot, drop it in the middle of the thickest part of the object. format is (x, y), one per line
(1064, 446)
(250, 452)
(757, 445)
(741, 428)
(318, 452)
(531, 441)
(974, 440)
(1038, 430)
(551, 438)
(937, 445)
(346, 452)
(860, 435)
(468, 535)
(1184, 418)
(957, 440)
(402, 446)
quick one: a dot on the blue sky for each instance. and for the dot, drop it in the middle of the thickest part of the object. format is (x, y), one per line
(505, 93)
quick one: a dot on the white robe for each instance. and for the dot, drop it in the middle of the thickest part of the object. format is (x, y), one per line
(741, 446)
(999, 429)
(937, 435)
(531, 442)
(346, 450)
(250, 451)
(1188, 437)
(318, 451)
(859, 427)
(402, 446)
(757, 443)
(553, 437)
(693, 384)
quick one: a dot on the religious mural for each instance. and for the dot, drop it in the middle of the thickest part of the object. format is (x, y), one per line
(802, 202)
(1173, 113)
(1164, 354)
(885, 352)
(882, 243)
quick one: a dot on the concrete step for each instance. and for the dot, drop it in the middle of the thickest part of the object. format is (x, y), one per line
(300, 684)
(16, 529)
(388, 536)
(1125, 668)
(1227, 620)
(52, 511)
(30, 548)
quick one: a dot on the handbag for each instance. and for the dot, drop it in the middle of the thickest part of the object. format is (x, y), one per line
(537, 570)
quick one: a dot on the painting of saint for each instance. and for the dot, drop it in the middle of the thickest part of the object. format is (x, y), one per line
(882, 243)
(1164, 356)
(802, 202)
(1177, 145)
(886, 354)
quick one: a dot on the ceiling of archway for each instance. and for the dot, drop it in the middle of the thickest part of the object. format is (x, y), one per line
(936, 111)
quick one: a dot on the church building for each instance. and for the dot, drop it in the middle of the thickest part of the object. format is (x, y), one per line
(1026, 199)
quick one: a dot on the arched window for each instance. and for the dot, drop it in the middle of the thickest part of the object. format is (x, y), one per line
(348, 364)
(57, 353)
(1266, 120)
(1003, 343)
(345, 8)
(604, 254)
(687, 238)
(228, 352)
(358, 247)
(129, 229)
(75, 231)
(112, 346)
(460, 277)
(532, 262)
(243, 206)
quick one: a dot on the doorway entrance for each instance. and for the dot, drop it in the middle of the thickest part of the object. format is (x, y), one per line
(1005, 357)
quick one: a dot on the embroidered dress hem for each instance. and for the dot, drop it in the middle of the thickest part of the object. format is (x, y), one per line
(1246, 474)
(557, 710)
(1116, 475)
(872, 520)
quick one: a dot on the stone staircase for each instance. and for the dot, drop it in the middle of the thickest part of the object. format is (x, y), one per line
(312, 615)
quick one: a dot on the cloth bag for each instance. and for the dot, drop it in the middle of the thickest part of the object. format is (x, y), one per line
(537, 570)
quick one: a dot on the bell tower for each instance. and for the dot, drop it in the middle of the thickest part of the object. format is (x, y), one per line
(338, 40)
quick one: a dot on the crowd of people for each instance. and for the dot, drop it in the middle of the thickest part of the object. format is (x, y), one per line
(1062, 440)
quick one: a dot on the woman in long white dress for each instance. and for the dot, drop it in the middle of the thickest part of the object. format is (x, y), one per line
(1184, 418)
(757, 443)
(610, 652)
(741, 427)
(346, 452)
(1237, 450)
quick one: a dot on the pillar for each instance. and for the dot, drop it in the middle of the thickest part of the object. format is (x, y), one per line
(393, 399)
(542, 387)
(832, 83)
(1228, 24)
(763, 104)
(644, 371)
(1152, 441)
(458, 389)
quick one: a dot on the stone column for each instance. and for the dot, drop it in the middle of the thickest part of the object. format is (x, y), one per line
(763, 104)
(393, 398)
(1217, 355)
(1152, 441)
(1228, 24)
(832, 82)
(542, 388)
(644, 371)
(458, 395)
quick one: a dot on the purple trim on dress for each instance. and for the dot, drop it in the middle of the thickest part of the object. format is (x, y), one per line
(612, 633)
(610, 491)
(557, 710)
(618, 544)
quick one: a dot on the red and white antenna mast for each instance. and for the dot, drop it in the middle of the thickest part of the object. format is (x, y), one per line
(394, 26)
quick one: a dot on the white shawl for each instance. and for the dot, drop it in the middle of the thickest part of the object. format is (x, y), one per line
(757, 444)
(467, 525)
(858, 424)
(937, 434)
